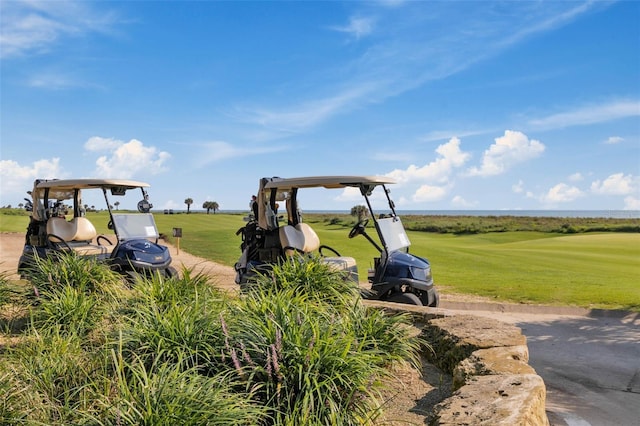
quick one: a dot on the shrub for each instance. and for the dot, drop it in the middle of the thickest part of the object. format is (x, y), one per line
(69, 309)
(303, 339)
(165, 394)
(85, 273)
(174, 320)
(51, 377)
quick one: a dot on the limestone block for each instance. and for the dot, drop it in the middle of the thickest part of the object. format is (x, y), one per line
(502, 400)
(457, 337)
(499, 360)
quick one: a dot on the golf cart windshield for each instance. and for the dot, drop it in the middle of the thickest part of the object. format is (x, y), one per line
(394, 236)
(134, 226)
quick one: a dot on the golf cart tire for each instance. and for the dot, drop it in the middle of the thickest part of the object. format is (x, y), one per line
(171, 272)
(430, 298)
(406, 298)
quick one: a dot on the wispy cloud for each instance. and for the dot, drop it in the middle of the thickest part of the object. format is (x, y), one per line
(302, 116)
(216, 151)
(589, 115)
(357, 27)
(613, 140)
(414, 53)
(59, 81)
(32, 27)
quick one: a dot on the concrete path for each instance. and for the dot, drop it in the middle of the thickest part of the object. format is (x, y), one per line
(589, 360)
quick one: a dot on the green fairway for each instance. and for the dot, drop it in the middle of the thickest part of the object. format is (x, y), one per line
(589, 270)
(598, 270)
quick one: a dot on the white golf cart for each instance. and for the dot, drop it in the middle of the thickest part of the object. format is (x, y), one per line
(60, 222)
(267, 238)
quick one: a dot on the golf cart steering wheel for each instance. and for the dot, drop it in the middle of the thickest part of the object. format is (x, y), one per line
(60, 241)
(328, 248)
(99, 237)
(358, 228)
(144, 206)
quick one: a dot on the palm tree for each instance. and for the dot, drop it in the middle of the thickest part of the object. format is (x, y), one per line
(117, 203)
(360, 211)
(210, 205)
(188, 202)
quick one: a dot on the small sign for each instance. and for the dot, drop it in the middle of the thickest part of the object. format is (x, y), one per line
(177, 232)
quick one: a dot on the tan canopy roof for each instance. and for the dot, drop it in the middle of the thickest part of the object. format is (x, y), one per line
(66, 184)
(327, 182)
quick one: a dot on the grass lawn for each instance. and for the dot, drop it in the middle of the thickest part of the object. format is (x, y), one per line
(598, 270)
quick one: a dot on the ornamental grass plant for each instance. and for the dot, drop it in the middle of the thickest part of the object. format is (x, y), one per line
(299, 348)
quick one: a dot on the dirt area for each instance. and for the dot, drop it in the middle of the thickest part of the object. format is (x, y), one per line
(409, 396)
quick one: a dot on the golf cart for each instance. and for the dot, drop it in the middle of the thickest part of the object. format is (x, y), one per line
(267, 238)
(133, 247)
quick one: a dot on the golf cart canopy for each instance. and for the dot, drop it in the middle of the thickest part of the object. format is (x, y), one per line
(334, 182)
(68, 189)
(275, 189)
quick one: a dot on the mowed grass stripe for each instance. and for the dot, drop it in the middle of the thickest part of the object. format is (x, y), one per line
(596, 270)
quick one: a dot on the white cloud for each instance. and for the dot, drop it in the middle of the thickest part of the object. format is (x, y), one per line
(219, 150)
(97, 143)
(458, 201)
(301, 116)
(512, 148)
(357, 27)
(349, 194)
(409, 53)
(576, 177)
(631, 203)
(616, 184)
(35, 26)
(53, 80)
(125, 160)
(429, 193)
(518, 187)
(562, 193)
(589, 115)
(613, 140)
(439, 170)
(16, 180)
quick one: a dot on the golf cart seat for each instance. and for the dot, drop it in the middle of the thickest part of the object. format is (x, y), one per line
(59, 227)
(303, 239)
(77, 233)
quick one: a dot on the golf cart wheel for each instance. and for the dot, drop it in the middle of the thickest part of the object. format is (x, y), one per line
(430, 298)
(171, 272)
(406, 298)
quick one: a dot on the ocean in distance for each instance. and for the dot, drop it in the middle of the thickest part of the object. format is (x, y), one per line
(614, 214)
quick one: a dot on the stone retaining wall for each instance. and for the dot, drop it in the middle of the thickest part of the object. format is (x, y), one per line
(488, 360)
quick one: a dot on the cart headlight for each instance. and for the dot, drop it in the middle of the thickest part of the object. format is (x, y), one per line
(422, 274)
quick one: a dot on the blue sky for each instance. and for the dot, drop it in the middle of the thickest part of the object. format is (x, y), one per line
(468, 104)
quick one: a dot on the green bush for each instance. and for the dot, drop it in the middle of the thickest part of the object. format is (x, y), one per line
(165, 394)
(299, 348)
(315, 354)
(69, 269)
(173, 320)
